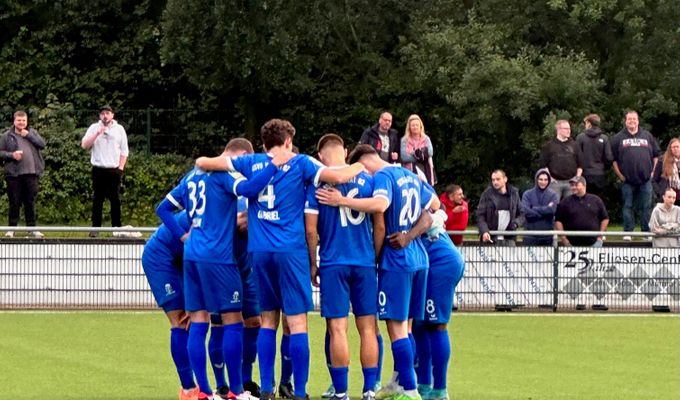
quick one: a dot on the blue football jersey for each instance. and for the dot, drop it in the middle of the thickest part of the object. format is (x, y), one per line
(241, 239)
(210, 201)
(345, 235)
(438, 248)
(276, 214)
(407, 197)
(164, 241)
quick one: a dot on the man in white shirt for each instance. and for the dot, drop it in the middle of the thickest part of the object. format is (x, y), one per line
(107, 142)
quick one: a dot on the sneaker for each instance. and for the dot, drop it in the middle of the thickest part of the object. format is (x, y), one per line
(286, 391)
(330, 392)
(267, 396)
(37, 234)
(203, 396)
(389, 391)
(627, 238)
(9, 234)
(404, 396)
(188, 394)
(343, 397)
(222, 392)
(368, 395)
(424, 391)
(242, 396)
(439, 394)
(252, 387)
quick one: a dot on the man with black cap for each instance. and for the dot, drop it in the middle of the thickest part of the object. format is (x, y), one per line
(107, 142)
(581, 212)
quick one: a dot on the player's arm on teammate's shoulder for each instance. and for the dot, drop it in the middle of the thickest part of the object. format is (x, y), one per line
(378, 233)
(341, 175)
(253, 186)
(399, 240)
(219, 163)
(333, 197)
(312, 236)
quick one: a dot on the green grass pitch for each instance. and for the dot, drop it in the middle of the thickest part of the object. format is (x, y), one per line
(120, 355)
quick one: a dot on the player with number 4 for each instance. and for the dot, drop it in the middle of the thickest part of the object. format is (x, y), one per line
(212, 282)
(403, 262)
(276, 241)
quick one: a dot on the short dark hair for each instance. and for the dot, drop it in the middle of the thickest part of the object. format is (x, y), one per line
(275, 132)
(451, 189)
(593, 119)
(238, 144)
(360, 151)
(500, 171)
(329, 138)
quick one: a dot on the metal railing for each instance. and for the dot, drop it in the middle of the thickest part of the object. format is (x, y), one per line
(106, 273)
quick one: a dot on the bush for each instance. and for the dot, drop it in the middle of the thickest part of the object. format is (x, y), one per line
(65, 196)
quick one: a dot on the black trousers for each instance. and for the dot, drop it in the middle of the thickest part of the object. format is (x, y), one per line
(22, 189)
(106, 185)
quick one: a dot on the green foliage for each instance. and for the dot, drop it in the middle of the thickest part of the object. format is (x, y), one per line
(65, 196)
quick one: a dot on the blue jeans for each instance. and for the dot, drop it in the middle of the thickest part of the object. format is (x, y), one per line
(637, 199)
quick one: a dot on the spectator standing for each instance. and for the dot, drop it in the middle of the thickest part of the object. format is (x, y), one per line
(666, 171)
(581, 211)
(562, 157)
(383, 138)
(538, 206)
(20, 148)
(416, 149)
(499, 210)
(635, 153)
(596, 154)
(107, 141)
(457, 211)
(665, 220)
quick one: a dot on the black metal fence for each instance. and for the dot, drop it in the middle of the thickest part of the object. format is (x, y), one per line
(107, 274)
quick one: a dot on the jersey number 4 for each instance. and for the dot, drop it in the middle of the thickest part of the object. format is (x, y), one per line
(267, 196)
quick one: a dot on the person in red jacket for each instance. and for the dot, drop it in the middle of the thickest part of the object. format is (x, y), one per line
(453, 200)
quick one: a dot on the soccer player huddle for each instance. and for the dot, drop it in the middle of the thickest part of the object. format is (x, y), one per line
(238, 248)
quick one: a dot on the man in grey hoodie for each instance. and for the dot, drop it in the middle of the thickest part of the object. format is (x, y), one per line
(538, 206)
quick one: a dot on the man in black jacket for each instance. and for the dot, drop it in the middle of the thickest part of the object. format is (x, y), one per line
(20, 150)
(499, 210)
(383, 139)
(596, 154)
(562, 157)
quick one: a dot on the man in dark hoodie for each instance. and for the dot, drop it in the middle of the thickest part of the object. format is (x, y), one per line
(538, 206)
(596, 154)
(383, 139)
(562, 157)
(636, 153)
(499, 210)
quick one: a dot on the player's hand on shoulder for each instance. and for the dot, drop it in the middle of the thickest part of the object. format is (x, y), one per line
(328, 196)
(282, 157)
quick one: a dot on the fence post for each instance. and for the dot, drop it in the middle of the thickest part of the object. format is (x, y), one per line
(556, 259)
(148, 132)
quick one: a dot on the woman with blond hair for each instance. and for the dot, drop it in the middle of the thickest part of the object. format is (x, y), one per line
(666, 172)
(416, 150)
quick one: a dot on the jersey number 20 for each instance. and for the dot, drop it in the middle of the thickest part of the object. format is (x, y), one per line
(409, 209)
